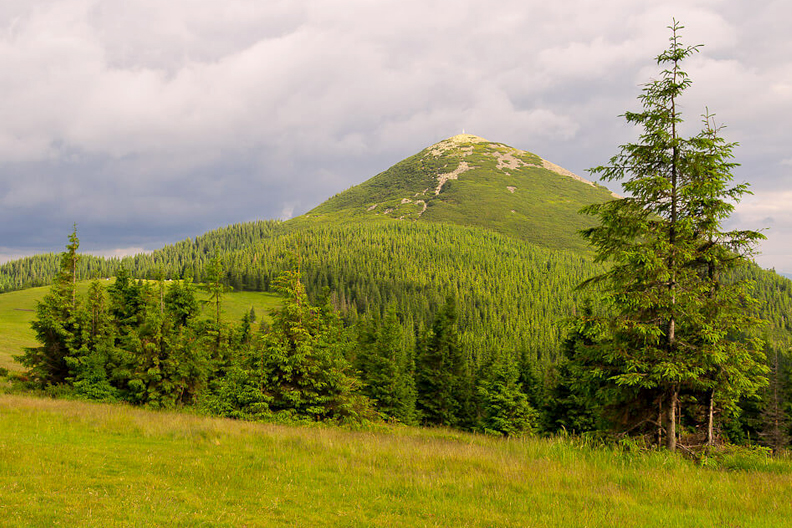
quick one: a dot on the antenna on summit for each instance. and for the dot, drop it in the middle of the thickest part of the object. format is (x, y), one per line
(463, 131)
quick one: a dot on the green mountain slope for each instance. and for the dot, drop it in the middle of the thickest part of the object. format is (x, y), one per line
(467, 180)
(512, 295)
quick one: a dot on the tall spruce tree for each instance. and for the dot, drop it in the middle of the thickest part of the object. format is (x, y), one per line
(441, 374)
(675, 323)
(386, 367)
(58, 324)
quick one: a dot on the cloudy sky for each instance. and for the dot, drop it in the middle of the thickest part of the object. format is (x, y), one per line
(146, 122)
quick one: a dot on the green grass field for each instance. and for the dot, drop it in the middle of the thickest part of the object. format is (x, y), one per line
(17, 310)
(66, 463)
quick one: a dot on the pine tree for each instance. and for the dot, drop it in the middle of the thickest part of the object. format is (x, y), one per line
(676, 325)
(775, 422)
(304, 358)
(58, 325)
(91, 377)
(441, 377)
(180, 301)
(505, 408)
(214, 286)
(386, 368)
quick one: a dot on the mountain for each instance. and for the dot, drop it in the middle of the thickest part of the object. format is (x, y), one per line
(470, 181)
(493, 226)
(464, 180)
(462, 264)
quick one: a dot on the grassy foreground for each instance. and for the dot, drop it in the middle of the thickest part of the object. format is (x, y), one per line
(65, 463)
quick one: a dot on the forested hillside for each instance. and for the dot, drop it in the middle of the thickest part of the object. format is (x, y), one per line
(173, 261)
(512, 295)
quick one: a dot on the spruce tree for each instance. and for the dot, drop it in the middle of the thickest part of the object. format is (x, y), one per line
(504, 406)
(91, 377)
(441, 377)
(58, 325)
(775, 422)
(676, 324)
(214, 286)
(180, 301)
(386, 369)
(303, 358)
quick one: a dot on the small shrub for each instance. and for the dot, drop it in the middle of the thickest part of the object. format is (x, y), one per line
(739, 458)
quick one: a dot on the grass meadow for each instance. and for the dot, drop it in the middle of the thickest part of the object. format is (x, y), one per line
(17, 310)
(67, 463)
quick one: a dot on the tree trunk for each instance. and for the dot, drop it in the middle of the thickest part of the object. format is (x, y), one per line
(679, 420)
(711, 418)
(670, 421)
(74, 282)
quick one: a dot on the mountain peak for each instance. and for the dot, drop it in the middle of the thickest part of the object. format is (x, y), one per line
(503, 152)
(466, 138)
(455, 142)
(468, 180)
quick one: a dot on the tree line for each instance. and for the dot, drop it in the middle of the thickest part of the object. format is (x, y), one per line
(143, 342)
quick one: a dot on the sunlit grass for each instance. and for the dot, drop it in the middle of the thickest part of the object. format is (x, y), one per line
(73, 463)
(17, 310)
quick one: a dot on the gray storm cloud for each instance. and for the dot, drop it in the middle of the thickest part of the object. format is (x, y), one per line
(149, 121)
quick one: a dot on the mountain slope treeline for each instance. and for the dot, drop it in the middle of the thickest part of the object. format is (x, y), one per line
(444, 366)
(144, 342)
(174, 261)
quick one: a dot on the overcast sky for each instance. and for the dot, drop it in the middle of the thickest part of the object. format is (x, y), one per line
(146, 122)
